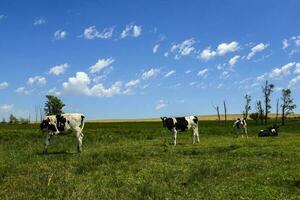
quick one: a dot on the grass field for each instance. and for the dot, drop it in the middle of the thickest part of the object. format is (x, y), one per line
(137, 161)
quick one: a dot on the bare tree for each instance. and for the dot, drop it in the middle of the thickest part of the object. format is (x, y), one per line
(247, 106)
(287, 104)
(277, 110)
(225, 112)
(218, 112)
(260, 111)
(267, 90)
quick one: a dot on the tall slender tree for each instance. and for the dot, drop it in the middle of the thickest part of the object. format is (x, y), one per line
(277, 111)
(267, 90)
(218, 112)
(247, 106)
(225, 112)
(260, 111)
(287, 104)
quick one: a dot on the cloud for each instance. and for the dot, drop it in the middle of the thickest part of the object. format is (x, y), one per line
(170, 73)
(38, 80)
(59, 69)
(132, 31)
(5, 108)
(184, 48)
(233, 60)
(225, 48)
(101, 64)
(285, 44)
(92, 33)
(207, 54)
(188, 71)
(53, 91)
(155, 48)
(3, 85)
(39, 21)
(203, 73)
(132, 83)
(150, 73)
(297, 70)
(160, 104)
(294, 81)
(225, 75)
(258, 48)
(60, 35)
(282, 71)
(22, 90)
(79, 85)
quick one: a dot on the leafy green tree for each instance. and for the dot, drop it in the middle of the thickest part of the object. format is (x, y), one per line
(287, 104)
(3, 120)
(53, 106)
(267, 90)
(13, 119)
(254, 116)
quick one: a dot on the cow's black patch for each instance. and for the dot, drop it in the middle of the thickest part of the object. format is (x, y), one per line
(181, 124)
(44, 124)
(61, 122)
(52, 127)
(195, 119)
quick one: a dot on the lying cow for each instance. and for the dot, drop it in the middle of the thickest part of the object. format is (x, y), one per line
(240, 126)
(271, 131)
(64, 123)
(175, 124)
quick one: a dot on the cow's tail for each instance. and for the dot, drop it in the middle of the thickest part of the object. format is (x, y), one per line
(82, 123)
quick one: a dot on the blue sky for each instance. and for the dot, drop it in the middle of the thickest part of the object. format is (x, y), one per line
(134, 59)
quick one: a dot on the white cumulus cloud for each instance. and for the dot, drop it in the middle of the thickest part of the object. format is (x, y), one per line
(38, 80)
(5, 108)
(39, 21)
(207, 54)
(60, 35)
(184, 48)
(203, 73)
(155, 48)
(22, 90)
(170, 73)
(282, 71)
(3, 85)
(225, 48)
(131, 30)
(233, 60)
(132, 83)
(101, 64)
(92, 33)
(150, 73)
(258, 48)
(59, 69)
(160, 104)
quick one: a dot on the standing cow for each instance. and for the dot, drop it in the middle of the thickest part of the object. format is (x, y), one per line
(64, 123)
(175, 124)
(240, 126)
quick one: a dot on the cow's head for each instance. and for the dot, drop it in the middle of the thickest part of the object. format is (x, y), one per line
(49, 126)
(164, 120)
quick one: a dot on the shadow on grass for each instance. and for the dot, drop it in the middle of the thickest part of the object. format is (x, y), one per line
(57, 153)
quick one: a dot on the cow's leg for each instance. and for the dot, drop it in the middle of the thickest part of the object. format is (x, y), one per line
(47, 142)
(79, 137)
(246, 131)
(174, 132)
(195, 134)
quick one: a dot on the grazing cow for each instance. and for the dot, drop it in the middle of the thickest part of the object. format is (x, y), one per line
(64, 123)
(175, 124)
(240, 126)
(271, 131)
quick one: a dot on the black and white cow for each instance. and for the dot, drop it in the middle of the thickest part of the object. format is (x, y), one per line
(61, 124)
(175, 124)
(271, 131)
(240, 126)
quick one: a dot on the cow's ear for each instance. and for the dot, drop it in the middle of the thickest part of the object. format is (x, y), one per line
(162, 118)
(48, 119)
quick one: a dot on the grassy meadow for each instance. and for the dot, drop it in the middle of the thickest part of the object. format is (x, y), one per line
(135, 160)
